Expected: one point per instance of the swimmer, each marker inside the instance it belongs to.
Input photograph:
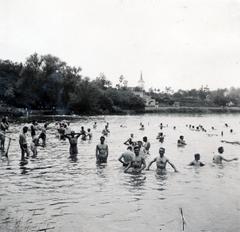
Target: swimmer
(126, 157)
(196, 162)
(83, 133)
(105, 131)
(33, 146)
(234, 142)
(161, 162)
(129, 142)
(43, 136)
(141, 126)
(3, 128)
(89, 133)
(137, 164)
(160, 137)
(95, 125)
(102, 151)
(73, 140)
(33, 128)
(217, 159)
(23, 143)
(181, 142)
(146, 145)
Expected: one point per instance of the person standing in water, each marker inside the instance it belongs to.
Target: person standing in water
(102, 151)
(196, 162)
(73, 140)
(126, 157)
(181, 142)
(3, 128)
(95, 125)
(23, 143)
(137, 164)
(217, 159)
(146, 145)
(161, 162)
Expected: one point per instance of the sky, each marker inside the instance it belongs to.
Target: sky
(179, 43)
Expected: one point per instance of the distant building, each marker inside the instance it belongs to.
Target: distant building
(139, 91)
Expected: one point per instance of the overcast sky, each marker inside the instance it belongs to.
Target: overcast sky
(178, 43)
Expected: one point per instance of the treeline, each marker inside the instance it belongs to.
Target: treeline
(46, 82)
(197, 97)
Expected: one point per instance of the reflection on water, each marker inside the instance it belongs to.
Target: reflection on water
(55, 192)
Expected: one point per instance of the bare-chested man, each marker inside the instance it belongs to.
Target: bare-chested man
(102, 151)
(161, 162)
(137, 164)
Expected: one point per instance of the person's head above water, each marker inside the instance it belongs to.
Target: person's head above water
(181, 137)
(197, 157)
(72, 133)
(220, 150)
(102, 139)
(161, 151)
(145, 139)
(25, 129)
(140, 143)
(136, 150)
(129, 148)
(131, 135)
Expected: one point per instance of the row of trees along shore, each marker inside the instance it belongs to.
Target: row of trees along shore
(46, 82)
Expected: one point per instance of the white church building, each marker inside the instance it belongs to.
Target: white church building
(139, 91)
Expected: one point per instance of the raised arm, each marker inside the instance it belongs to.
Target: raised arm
(149, 165)
(120, 160)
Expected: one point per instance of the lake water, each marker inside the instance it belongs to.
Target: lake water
(54, 193)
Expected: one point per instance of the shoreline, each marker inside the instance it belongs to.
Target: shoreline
(19, 112)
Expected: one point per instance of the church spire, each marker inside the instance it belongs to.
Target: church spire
(141, 82)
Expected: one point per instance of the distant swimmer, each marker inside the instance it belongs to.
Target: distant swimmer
(83, 133)
(43, 136)
(231, 130)
(161, 162)
(23, 143)
(127, 156)
(3, 128)
(137, 164)
(73, 140)
(141, 126)
(226, 125)
(102, 151)
(160, 137)
(196, 162)
(89, 133)
(105, 131)
(129, 142)
(221, 133)
(33, 128)
(181, 142)
(95, 125)
(33, 146)
(217, 159)
(146, 145)
(174, 128)
(233, 142)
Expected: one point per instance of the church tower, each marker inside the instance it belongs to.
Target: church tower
(141, 82)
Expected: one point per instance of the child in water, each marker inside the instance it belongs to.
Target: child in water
(196, 162)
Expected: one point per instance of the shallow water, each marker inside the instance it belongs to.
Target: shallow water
(59, 194)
